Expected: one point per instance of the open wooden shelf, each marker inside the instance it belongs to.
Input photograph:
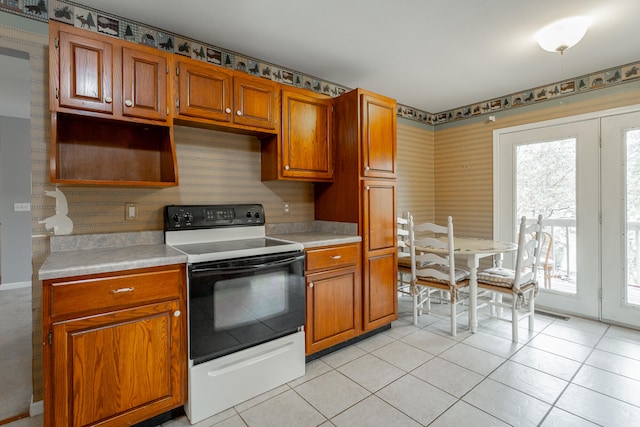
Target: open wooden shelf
(86, 150)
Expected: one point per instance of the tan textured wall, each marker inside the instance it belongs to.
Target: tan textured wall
(415, 191)
(464, 156)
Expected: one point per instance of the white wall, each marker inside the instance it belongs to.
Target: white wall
(15, 168)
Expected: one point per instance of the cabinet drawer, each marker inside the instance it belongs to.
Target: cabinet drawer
(330, 257)
(96, 294)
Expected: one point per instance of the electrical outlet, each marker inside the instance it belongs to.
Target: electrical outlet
(285, 208)
(130, 211)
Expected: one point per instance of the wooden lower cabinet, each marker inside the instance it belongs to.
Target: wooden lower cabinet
(380, 302)
(333, 296)
(114, 346)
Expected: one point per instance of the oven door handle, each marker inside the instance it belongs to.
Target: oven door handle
(204, 271)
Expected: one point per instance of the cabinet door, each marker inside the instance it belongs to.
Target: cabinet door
(144, 84)
(306, 137)
(379, 219)
(204, 91)
(333, 307)
(118, 368)
(380, 302)
(378, 137)
(85, 73)
(254, 102)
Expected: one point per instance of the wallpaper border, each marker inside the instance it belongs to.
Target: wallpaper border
(94, 20)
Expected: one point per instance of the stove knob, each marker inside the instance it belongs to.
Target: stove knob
(257, 215)
(176, 218)
(248, 214)
(188, 217)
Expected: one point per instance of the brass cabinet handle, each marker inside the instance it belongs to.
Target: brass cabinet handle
(335, 256)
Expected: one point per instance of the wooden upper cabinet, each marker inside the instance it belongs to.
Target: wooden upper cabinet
(92, 74)
(204, 91)
(225, 99)
(109, 111)
(144, 84)
(378, 116)
(85, 78)
(303, 151)
(254, 102)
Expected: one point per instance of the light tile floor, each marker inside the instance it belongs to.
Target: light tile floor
(572, 372)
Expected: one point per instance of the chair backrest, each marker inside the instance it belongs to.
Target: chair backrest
(528, 255)
(546, 248)
(439, 238)
(403, 235)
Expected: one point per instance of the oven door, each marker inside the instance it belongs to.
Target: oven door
(239, 303)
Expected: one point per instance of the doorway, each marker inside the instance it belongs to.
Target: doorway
(15, 235)
(553, 171)
(583, 175)
(621, 218)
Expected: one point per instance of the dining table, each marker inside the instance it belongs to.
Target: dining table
(473, 249)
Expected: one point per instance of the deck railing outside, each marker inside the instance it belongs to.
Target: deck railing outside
(563, 257)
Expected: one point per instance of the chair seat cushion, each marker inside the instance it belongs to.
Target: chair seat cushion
(459, 276)
(502, 277)
(405, 261)
(497, 276)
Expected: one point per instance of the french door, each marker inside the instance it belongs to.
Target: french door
(583, 175)
(621, 218)
(554, 171)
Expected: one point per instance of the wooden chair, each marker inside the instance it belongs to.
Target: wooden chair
(432, 273)
(547, 262)
(404, 256)
(521, 282)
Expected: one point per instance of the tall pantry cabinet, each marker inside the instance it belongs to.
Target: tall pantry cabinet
(364, 192)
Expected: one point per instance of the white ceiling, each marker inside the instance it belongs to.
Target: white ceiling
(427, 54)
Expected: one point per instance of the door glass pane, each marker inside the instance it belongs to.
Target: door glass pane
(633, 216)
(546, 184)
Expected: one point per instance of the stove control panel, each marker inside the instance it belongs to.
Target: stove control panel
(188, 217)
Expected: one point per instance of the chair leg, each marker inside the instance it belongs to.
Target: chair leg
(514, 320)
(452, 302)
(532, 309)
(415, 307)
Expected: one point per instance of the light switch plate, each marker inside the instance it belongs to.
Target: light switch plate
(21, 207)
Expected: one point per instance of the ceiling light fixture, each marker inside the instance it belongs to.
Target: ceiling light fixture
(563, 34)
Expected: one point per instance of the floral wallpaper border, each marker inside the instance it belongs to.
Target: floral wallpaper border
(97, 21)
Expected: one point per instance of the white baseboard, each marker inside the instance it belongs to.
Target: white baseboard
(36, 408)
(14, 285)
